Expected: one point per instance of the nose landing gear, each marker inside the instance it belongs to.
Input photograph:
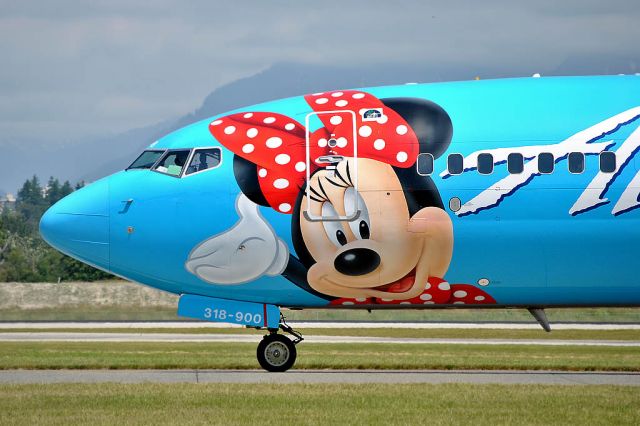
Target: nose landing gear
(276, 352)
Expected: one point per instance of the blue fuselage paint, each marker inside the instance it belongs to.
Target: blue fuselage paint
(525, 248)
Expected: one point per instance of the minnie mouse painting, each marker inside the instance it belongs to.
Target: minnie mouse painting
(367, 228)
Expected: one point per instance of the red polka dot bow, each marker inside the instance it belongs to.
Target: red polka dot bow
(277, 143)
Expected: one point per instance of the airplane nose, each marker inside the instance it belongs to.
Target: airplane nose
(78, 225)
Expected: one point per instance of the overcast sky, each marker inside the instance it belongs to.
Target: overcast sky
(71, 70)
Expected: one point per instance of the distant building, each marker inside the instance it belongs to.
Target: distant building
(7, 201)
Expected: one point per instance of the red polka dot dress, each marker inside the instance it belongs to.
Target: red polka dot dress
(437, 291)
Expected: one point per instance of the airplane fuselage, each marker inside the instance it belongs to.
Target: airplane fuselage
(357, 198)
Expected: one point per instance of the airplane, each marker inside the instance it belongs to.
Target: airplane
(507, 193)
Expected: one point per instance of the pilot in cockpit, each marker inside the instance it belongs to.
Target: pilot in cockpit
(202, 161)
(173, 163)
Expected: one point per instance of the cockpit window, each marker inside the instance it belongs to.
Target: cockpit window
(146, 160)
(204, 159)
(173, 162)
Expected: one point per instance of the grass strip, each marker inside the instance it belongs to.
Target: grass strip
(147, 355)
(389, 404)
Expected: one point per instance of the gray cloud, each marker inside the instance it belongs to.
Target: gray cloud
(72, 70)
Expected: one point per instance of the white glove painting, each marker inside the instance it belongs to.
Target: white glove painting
(248, 250)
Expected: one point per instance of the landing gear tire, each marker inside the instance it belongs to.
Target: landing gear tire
(276, 353)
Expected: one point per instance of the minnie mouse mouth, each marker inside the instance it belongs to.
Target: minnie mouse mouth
(402, 285)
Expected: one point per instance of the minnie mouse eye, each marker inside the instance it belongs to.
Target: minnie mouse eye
(363, 228)
(333, 229)
(353, 202)
(342, 239)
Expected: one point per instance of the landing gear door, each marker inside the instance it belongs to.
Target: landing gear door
(332, 147)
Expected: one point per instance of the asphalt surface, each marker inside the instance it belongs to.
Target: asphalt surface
(317, 376)
(254, 338)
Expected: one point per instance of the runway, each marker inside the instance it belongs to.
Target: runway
(318, 376)
(254, 338)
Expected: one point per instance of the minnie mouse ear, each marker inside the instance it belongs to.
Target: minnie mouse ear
(431, 124)
(246, 174)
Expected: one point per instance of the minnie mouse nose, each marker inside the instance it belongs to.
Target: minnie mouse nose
(357, 261)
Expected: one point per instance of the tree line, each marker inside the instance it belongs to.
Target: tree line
(24, 256)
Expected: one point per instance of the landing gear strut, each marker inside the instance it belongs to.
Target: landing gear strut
(276, 352)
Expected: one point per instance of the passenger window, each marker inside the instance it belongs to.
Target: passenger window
(425, 164)
(607, 162)
(485, 164)
(204, 159)
(515, 163)
(576, 162)
(455, 164)
(146, 160)
(173, 162)
(546, 162)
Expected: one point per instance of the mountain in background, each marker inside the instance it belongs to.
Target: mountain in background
(94, 159)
